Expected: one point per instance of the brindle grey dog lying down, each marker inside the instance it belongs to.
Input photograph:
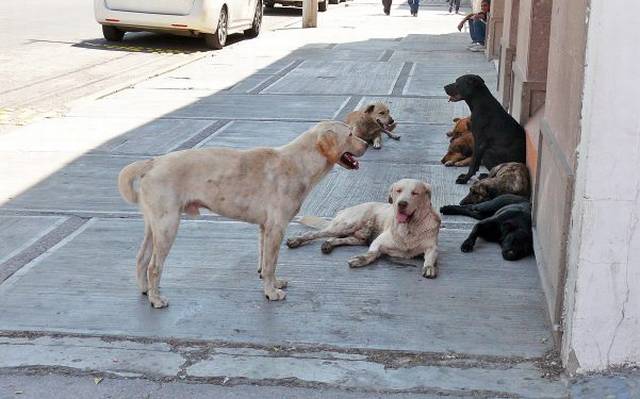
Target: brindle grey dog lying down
(405, 228)
(264, 186)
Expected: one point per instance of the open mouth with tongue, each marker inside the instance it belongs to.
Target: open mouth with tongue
(348, 161)
(386, 126)
(455, 98)
(403, 217)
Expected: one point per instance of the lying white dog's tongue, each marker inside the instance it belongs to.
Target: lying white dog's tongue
(402, 217)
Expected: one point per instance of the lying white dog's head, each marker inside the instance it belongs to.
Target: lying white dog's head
(411, 199)
(337, 143)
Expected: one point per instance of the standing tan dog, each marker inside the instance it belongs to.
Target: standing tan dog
(370, 122)
(406, 227)
(264, 186)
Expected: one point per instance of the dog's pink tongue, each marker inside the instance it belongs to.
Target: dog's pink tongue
(401, 217)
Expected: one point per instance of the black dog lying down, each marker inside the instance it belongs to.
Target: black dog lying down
(505, 219)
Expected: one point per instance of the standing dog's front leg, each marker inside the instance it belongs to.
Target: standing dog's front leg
(261, 234)
(272, 239)
(430, 266)
(478, 153)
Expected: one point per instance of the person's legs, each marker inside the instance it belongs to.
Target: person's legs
(387, 6)
(477, 30)
(457, 5)
(414, 7)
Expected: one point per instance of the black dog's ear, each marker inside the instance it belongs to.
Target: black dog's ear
(369, 109)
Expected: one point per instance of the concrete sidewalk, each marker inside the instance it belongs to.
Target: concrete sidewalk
(68, 241)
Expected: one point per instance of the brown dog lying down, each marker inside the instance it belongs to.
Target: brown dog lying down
(264, 186)
(370, 122)
(460, 152)
(506, 178)
(405, 228)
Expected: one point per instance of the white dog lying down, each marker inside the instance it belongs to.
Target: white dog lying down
(406, 227)
(264, 186)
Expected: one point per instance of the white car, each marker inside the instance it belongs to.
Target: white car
(213, 19)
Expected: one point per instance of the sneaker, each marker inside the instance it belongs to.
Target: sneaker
(474, 44)
(477, 49)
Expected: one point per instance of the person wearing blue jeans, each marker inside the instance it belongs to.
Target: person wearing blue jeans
(477, 26)
(413, 6)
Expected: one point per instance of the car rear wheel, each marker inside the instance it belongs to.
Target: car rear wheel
(257, 22)
(112, 34)
(334, 1)
(322, 6)
(218, 39)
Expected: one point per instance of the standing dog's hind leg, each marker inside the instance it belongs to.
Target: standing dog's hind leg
(164, 231)
(143, 258)
(272, 286)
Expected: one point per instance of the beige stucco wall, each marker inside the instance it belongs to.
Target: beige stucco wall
(559, 133)
(602, 295)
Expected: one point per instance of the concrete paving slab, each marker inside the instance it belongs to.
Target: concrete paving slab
(249, 134)
(466, 309)
(338, 54)
(428, 80)
(343, 188)
(421, 110)
(521, 380)
(38, 386)
(91, 354)
(339, 77)
(188, 104)
(120, 135)
(87, 183)
(20, 232)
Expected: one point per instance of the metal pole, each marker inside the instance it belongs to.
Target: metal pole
(310, 13)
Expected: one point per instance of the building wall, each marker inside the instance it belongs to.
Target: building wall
(555, 148)
(602, 296)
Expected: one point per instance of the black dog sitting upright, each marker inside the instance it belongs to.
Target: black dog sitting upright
(498, 137)
(505, 219)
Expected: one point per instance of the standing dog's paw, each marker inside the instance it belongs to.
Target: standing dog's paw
(467, 246)
(377, 146)
(275, 294)
(158, 302)
(462, 179)
(430, 271)
(326, 247)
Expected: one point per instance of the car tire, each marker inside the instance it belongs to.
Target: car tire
(269, 5)
(257, 21)
(112, 34)
(218, 39)
(322, 6)
(334, 1)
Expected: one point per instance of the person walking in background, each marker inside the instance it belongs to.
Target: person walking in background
(386, 5)
(452, 4)
(413, 6)
(477, 26)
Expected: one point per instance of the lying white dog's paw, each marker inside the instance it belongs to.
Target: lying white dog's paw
(158, 301)
(275, 294)
(430, 271)
(359, 261)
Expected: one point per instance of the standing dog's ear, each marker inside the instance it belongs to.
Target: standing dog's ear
(456, 119)
(369, 108)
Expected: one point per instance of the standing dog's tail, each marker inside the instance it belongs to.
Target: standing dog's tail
(128, 175)
(315, 222)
